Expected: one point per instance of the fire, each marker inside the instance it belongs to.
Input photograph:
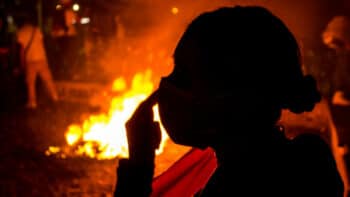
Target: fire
(103, 136)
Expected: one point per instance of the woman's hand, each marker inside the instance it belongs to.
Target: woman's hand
(136, 173)
(143, 133)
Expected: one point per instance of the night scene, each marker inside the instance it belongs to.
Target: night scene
(174, 98)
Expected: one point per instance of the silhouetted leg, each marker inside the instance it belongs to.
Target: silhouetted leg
(46, 77)
(31, 73)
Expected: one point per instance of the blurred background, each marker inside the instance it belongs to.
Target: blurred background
(106, 56)
(87, 40)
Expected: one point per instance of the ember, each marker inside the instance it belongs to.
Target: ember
(103, 136)
(174, 10)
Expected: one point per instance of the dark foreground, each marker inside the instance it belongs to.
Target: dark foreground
(26, 171)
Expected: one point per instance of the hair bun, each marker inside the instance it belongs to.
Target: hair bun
(304, 96)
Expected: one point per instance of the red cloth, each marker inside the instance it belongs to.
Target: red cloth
(187, 176)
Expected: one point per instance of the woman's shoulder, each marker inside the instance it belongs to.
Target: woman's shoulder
(308, 139)
(312, 146)
(311, 151)
(313, 165)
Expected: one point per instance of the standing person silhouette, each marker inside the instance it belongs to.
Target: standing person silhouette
(235, 70)
(34, 61)
(336, 37)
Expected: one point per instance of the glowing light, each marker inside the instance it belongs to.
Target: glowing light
(52, 150)
(76, 7)
(58, 7)
(119, 85)
(74, 134)
(10, 19)
(164, 133)
(174, 10)
(85, 20)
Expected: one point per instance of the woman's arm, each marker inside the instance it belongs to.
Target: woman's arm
(135, 174)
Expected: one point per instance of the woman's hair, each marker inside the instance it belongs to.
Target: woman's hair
(247, 52)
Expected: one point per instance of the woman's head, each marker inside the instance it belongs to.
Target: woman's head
(245, 54)
(337, 33)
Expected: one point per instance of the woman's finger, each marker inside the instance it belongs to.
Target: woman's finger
(144, 110)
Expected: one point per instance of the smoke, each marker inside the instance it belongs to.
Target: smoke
(148, 30)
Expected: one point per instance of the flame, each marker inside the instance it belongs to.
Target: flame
(103, 136)
(119, 85)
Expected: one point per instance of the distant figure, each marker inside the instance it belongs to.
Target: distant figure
(235, 70)
(34, 61)
(337, 37)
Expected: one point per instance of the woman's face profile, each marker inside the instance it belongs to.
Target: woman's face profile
(233, 65)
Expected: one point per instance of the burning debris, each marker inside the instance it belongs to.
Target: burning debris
(103, 136)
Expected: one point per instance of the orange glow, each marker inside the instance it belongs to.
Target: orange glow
(74, 135)
(76, 7)
(103, 136)
(164, 133)
(174, 10)
(119, 85)
(58, 7)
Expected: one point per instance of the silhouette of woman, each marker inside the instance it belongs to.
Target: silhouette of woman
(235, 70)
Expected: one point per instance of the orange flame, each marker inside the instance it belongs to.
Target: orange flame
(103, 136)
